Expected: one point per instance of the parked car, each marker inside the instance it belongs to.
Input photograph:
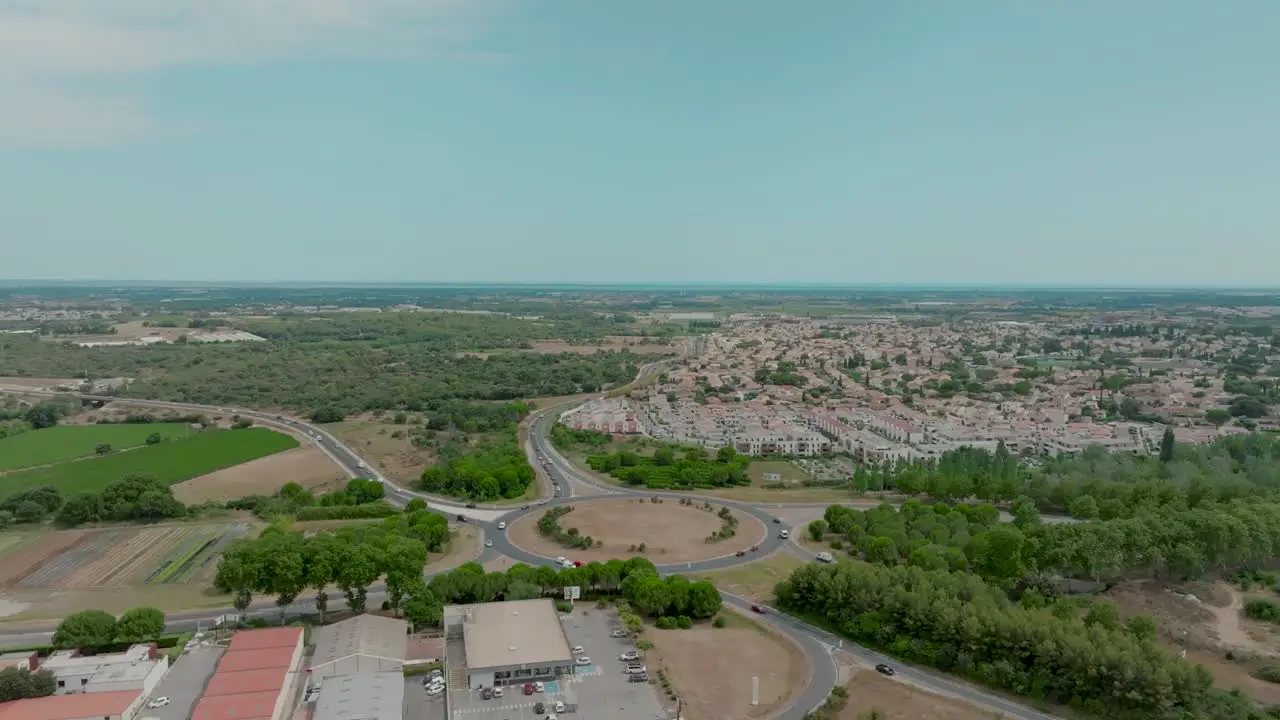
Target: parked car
(158, 702)
(539, 687)
(577, 563)
(559, 706)
(618, 634)
(825, 557)
(884, 669)
(497, 692)
(528, 688)
(638, 677)
(583, 660)
(777, 521)
(434, 690)
(629, 655)
(486, 694)
(757, 609)
(578, 650)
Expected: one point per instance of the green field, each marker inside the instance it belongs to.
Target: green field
(787, 472)
(69, 442)
(170, 462)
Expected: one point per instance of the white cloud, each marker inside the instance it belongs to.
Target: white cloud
(70, 69)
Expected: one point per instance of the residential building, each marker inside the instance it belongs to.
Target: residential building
(137, 669)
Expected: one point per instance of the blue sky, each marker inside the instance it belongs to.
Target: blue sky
(986, 141)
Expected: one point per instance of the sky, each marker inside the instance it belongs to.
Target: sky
(1080, 142)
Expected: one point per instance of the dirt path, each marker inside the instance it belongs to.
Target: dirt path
(1228, 629)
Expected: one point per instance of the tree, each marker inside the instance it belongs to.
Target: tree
(154, 439)
(284, 569)
(1217, 416)
(29, 512)
(320, 569)
(43, 415)
(89, 628)
(1025, 512)
(403, 561)
(817, 530)
(18, 684)
(140, 624)
(703, 599)
(1083, 507)
(103, 449)
(1166, 445)
(356, 572)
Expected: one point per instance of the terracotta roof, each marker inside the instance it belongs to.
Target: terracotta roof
(249, 706)
(265, 638)
(70, 707)
(281, 657)
(247, 681)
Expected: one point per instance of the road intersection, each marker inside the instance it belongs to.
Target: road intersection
(816, 643)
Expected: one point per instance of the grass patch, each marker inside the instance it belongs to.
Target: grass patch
(786, 471)
(171, 462)
(756, 580)
(71, 442)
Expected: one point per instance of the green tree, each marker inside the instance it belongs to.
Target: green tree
(321, 559)
(284, 569)
(18, 684)
(357, 570)
(817, 530)
(1084, 507)
(1025, 512)
(154, 439)
(85, 629)
(140, 624)
(103, 449)
(403, 561)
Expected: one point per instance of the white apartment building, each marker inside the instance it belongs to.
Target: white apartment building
(138, 668)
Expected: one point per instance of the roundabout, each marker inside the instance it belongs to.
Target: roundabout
(667, 531)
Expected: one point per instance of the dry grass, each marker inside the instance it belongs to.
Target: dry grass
(24, 383)
(755, 581)
(612, 344)
(307, 466)
(716, 684)
(671, 532)
(371, 439)
(463, 547)
(900, 701)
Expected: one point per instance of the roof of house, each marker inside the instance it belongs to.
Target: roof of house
(247, 706)
(518, 632)
(371, 635)
(70, 707)
(266, 638)
(362, 696)
(256, 659)
(247, 681)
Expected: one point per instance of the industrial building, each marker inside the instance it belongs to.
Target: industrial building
(505, 643)
(256, 678)
(362, 696)
(362, 644)
(122, 705)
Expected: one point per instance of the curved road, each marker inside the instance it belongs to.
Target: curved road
(817, 644)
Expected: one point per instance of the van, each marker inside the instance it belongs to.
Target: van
(784, 534)
(824, 557)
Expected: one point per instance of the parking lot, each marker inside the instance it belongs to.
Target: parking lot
(418, 705)
(599, 690)
(185, 683)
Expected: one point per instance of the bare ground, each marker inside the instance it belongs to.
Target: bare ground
(42, 603)
(756, 581)
(25, 383)
(308, 466)
(716, 684)
(671, 532)
(20, 560)
(900, 701)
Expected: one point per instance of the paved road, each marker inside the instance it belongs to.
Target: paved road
(815, 642)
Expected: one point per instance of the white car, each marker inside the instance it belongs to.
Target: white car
(497, 692)
(559, 706)
(158, 702)
(629, 655)
(784, 534)
(502, 526)
(635, 669)
(560, 561)
(825, 557)
(539, 687)
(488, 543)
(618, 634)
(578, 649)
(583, 660)
(434, 690)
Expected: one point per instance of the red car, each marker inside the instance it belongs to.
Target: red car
(528, 688)
(757, 609)
(577, 563)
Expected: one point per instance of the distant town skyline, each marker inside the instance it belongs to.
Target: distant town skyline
(729, 141)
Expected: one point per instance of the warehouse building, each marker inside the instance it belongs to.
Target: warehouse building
(362, 696)
(505, 643)
(362, 644)
(138, 668)
(256, 678)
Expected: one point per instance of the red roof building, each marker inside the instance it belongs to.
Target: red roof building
(122, 705)
(246, 681)
(256, 660)
(266, 638)
(255, 678)
(248, 706)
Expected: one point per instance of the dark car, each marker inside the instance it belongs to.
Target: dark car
(884, 669)
(776, 521)
(528, 688)
(462, 518)
(486, 694)
(757, 609)
(471, 505)
(740, 553)
(638, 677)
(755, 548)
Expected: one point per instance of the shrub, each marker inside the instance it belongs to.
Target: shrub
(666, 622)
(685, 622)
(564, 607)
(1260, 609)
(1270, 673)
(719, 621)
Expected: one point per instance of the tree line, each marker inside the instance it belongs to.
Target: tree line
(665, 470)
(284, 563)
(95, 629)
(132, 498)
(958, 623)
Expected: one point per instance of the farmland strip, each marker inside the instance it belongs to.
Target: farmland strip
(180, 557)
(50, 569)
(92, 574)
(36, 553)
(157, 546)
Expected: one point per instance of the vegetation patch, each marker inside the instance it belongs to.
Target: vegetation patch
(170, 462)
(549, 526)
(70, 442)
(672, 468)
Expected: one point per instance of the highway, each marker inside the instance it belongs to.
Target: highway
(816, 643)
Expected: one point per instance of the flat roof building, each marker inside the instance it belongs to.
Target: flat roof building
(505, 643)
(137, 668)
(362, 696)
(362, 644)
